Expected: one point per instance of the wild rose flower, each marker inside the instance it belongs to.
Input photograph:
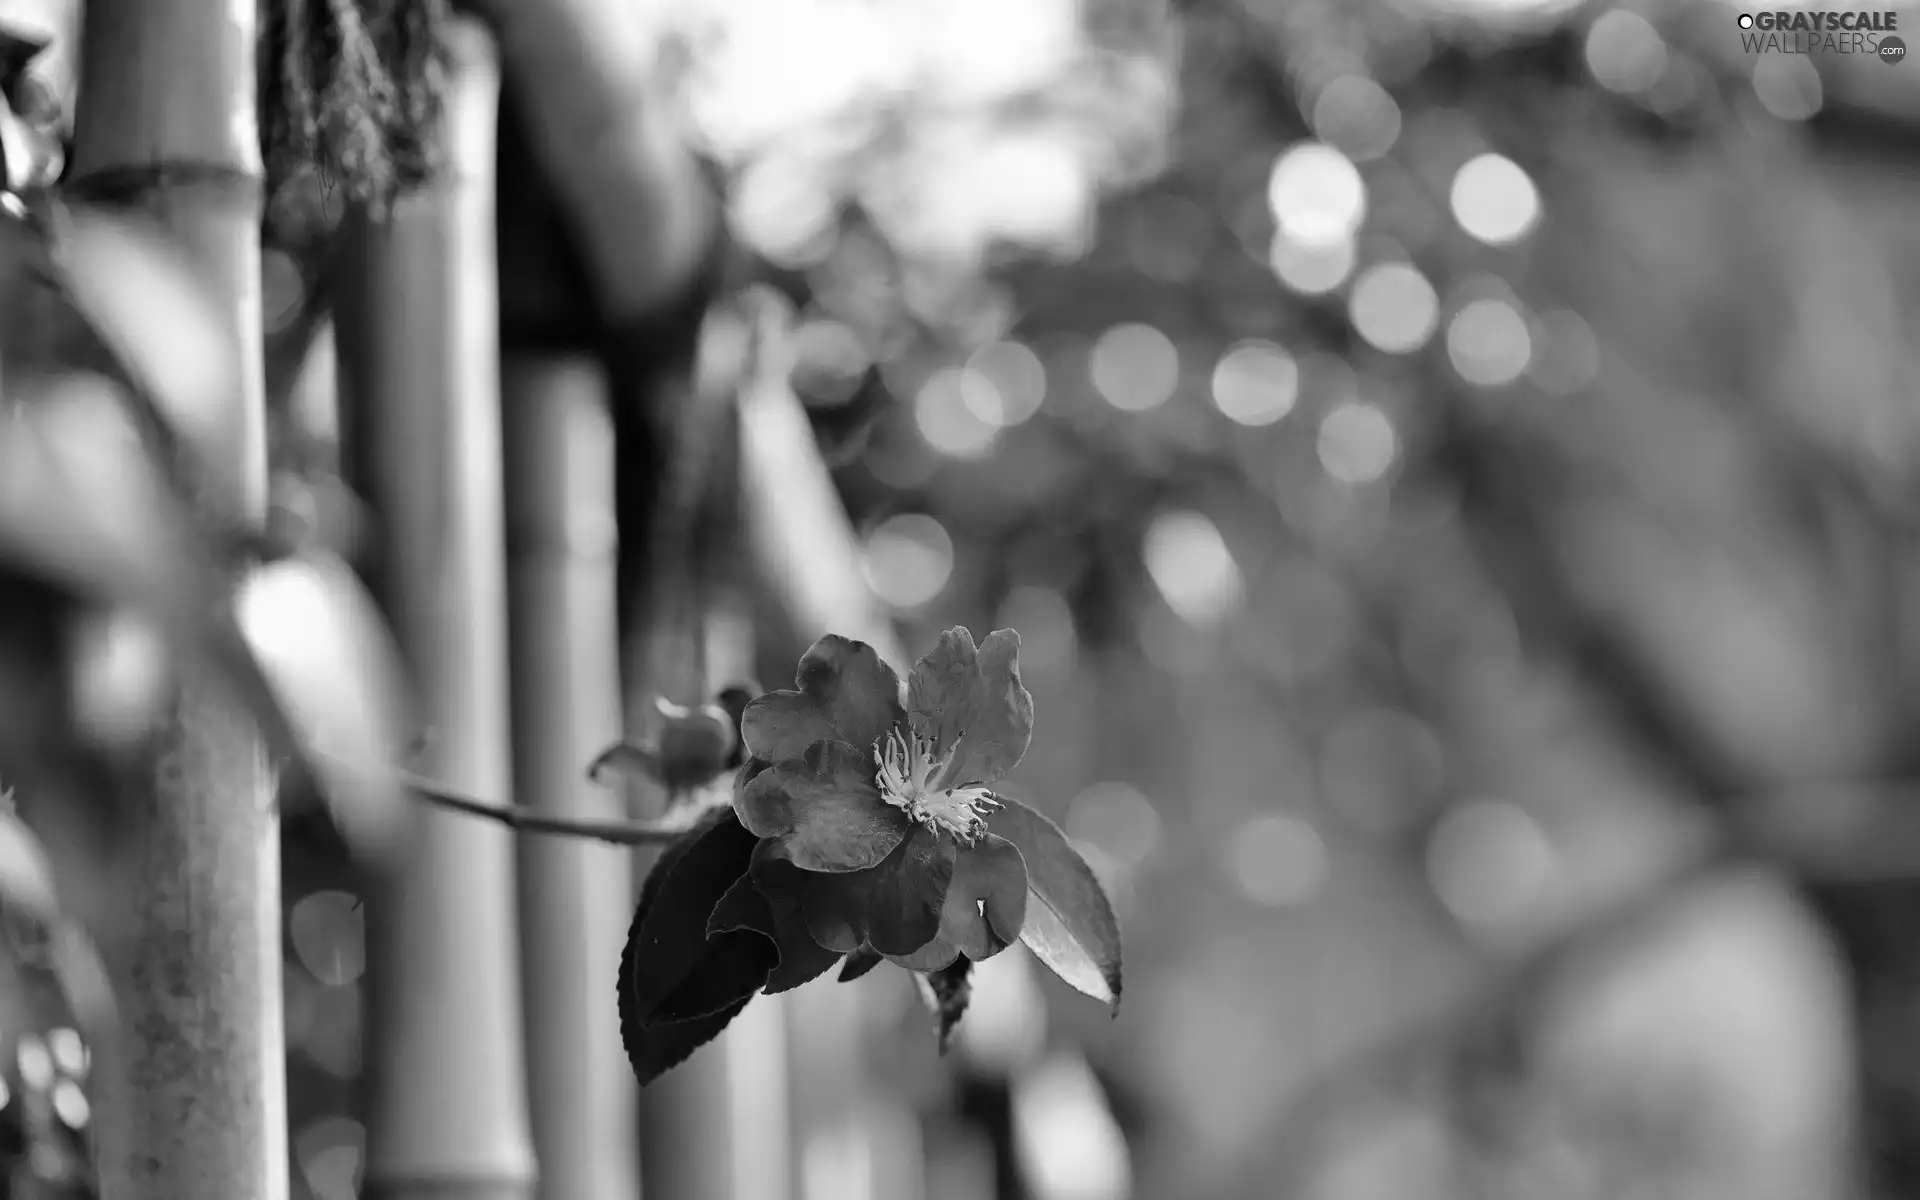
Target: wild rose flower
(874, 815)
(863, 826)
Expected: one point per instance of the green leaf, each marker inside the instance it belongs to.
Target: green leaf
(324, 648)
(1069, 924)
(858, 963)
(143, 297)
(675, 971)
(84, 506)
(624, 762)
(733, 965)
(655, 1048)
(26, 874)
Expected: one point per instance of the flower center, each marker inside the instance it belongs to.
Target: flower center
(907, 771)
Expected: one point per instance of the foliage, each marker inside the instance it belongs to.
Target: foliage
(864, 829)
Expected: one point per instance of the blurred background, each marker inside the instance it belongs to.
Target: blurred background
(1453, 467)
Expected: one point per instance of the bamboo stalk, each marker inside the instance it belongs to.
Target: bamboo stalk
(165, 123)
(575, 896)
(721, 1124)
(849, 1145)
(584, 70)
(417, 330)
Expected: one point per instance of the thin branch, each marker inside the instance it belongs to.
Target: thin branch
(528, 820)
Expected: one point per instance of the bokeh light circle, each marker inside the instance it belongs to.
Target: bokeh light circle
(1355, 114)
(1256, 383)
(908, 560)
(1004, 383)
(1625, 53)
(1357, 443)
(1393, 307)
(1788, 86)
(946, 419)
(1134, 367)
(1566, 355)
(1277, 859)
(1488, 861)
(1311, 270)
(1488, 343)
(1494, 199)
(1316, 194)
(1191, 564)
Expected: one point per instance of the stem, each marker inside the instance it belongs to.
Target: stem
(532, 820)
(195, 1104)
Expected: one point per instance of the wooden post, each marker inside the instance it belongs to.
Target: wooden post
(417, 328)
(165, 123)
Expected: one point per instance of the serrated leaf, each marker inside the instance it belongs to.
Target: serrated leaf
(733, 964)
(668, 945)
(858, 963)
(1069, 924)
(655, 1049)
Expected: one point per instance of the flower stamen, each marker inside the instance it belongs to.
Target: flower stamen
(908, 771)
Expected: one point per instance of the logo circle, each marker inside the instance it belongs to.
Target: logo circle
(1892, 49)
(1745, 21)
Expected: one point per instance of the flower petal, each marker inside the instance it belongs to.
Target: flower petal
(971, 702)
(940, 688)
(846, 694)
(934, 955)
(987, 902)
(833, 907)
(824, 811)
(777, 921)
(906, 893)
(894, 907)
